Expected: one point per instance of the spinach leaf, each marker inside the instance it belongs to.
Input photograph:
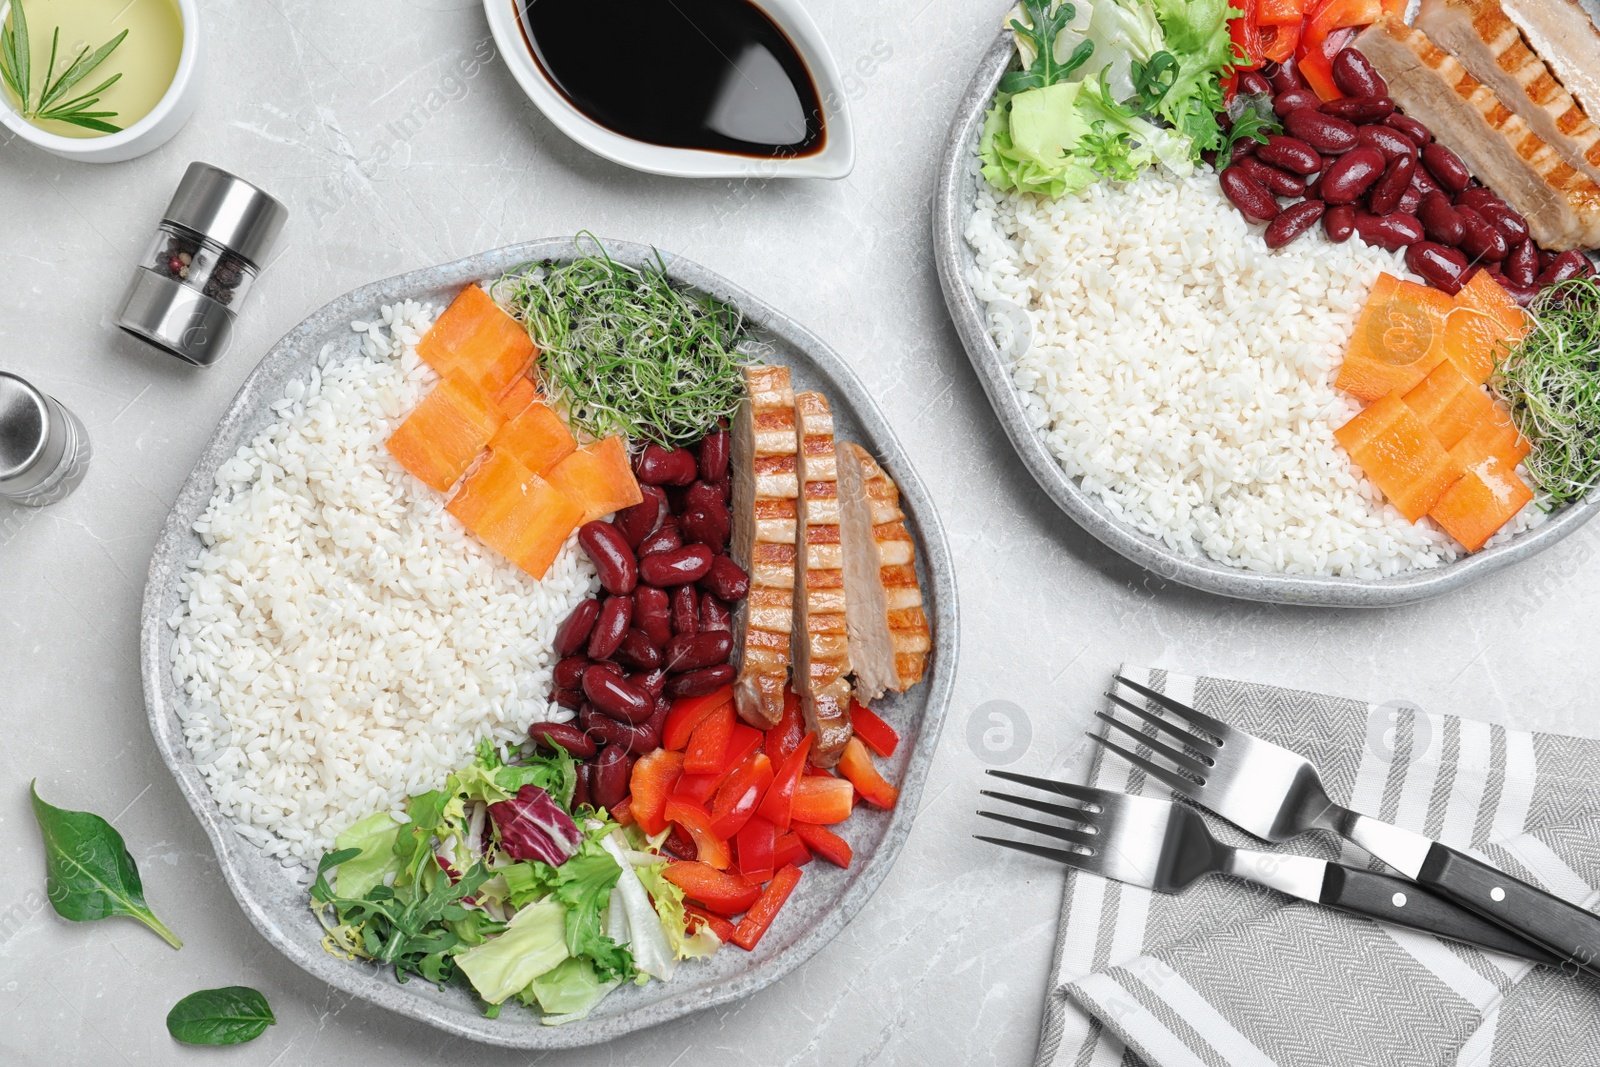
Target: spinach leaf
(89, 873)
(231, 1015)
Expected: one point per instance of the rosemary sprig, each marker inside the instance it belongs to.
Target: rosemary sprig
(16, 59)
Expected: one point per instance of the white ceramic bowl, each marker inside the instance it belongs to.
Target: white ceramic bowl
(150, 132)
(835, 159)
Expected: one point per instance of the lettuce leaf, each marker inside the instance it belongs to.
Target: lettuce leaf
(582, 885)
(533, 943)
(1197, 38)
(375, 837)
(647, 941)
(569, 992)
(674, 919)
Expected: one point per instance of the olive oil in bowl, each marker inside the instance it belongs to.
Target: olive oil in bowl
(147, 59)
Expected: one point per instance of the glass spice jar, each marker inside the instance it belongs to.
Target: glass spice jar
(200, 264)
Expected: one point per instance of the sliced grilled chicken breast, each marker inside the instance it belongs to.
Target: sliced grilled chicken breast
(1561, 204)
(1563, 33)
(1482, 39)
(889, 638)
(821, 640)
(765, 487)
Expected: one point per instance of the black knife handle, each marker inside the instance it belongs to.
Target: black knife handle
(1567, 930)
(1404, 903)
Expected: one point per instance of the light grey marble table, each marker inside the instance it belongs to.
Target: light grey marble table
(351, 114)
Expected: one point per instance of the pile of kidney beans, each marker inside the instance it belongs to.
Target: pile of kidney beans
(1360, 167)
(663, 627)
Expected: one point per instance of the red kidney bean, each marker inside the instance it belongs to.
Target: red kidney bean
(1545, 259)
(605, 666)
(1415, 131)
(642, 519)
(1325, 133)
(617, 697)
(1566, 265)
(1410, 200)
(1476, 197)
(550, 734)
(1445, 268)
(702, 495)
(568, 674)
(637, 651)
(1289, 153)
(653, 682)
(616, 615)
(567, 698)
(625, 737)
(1479, 239)
(1522, 264)
(693, 651)
(699, 683)
(1284, 77)
(1339, 223)
(666, 538)
(1241, 149)
(1440, 221)
(685, 610)
(1248, 195)
(1504, 219)
(726, 580)
(1251, 83)
(612, 556)
(1392, 143)
(1360, 110)
(1277, 182)
(1388, 231)
(1284, 103)
(1522, 294)
(1385, 195)
(1423, 183)
(714, 451)
(714, 614)
(657, 465)
(1351, 175)
(676, 567)
(708, 526)
(580, 790)
(1446, 167)
(573, 634)
(609, 783)
(726, 485)
(1295, 220)
(652, 613)
(1353, 74)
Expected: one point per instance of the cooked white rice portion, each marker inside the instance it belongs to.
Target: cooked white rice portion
(1183, 371)
(343, 642)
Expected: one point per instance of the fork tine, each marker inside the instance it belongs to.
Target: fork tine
(1188, 763)
(1058, 832)
(1071, 859)
(1194, 741)
(1219, 729)
(1066, 789)
(1172, 778)
(1060, 811)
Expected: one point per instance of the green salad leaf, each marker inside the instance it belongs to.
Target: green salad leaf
(1041, 31)
(89, 873)
(1197, 37)
(583, 886)
(668, 899)
(532, 944)
(568, 992)
(231, 1015)
(373, 840)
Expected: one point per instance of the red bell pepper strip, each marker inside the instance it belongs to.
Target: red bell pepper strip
(1280, 41)
(724, 892)
(709, 742)
(679, 843)
(740, 794)
(1246, 33)
(687, 713)
(856, 765)
(699, 788)
(652, 779)
(622, 812)
(776, 805)
(759, 918)
(708, 847)
(785, 737)
(719, 926)
(877, 734)
(822, 800)
(790, 851)
(829, 845)
(757, 843)
(1281, 12)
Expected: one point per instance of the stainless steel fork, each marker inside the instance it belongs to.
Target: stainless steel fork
(1277, 794)
(1166, 847)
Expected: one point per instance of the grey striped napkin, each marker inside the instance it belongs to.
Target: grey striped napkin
(1229, 975)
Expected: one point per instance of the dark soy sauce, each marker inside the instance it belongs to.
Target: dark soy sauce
(709, 74)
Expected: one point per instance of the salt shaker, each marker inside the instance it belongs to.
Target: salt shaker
(197, 268)
(44, 449)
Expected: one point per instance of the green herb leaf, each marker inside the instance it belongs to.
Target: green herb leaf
(1250, 125)
(231, 1015)
(90, 874)
(1046, 27)
(85, 62)
(21, 52)
(83, 100)
(1152, 80)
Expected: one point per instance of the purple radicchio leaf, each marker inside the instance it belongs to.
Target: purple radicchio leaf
(533, 827)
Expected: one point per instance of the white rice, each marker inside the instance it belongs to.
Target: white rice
(1183, 371)
(343, 641)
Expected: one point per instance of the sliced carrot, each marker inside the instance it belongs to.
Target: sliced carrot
(515, 512)
(1448, 402)
(518, 395)
(1495, 436)
(1484, 499)
(536, 437)
(1370, 423)
(856, 765)
(440, 438)
(1394, 342)
(600, 477)
(758, 920)
(475, 337)
(1404, 460)
(1484, 321)
(827, 844)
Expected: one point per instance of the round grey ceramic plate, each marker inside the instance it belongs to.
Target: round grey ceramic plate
(952, 206)
(827, 897)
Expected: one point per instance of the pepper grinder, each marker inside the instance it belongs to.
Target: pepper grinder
(44, 449)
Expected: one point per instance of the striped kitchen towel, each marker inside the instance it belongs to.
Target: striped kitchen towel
(1232, 975)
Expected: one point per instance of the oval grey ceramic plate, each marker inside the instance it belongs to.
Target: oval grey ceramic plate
(952, 206)
(827, 897)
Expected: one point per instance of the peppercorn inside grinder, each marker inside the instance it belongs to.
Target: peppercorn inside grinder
(195, 273)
